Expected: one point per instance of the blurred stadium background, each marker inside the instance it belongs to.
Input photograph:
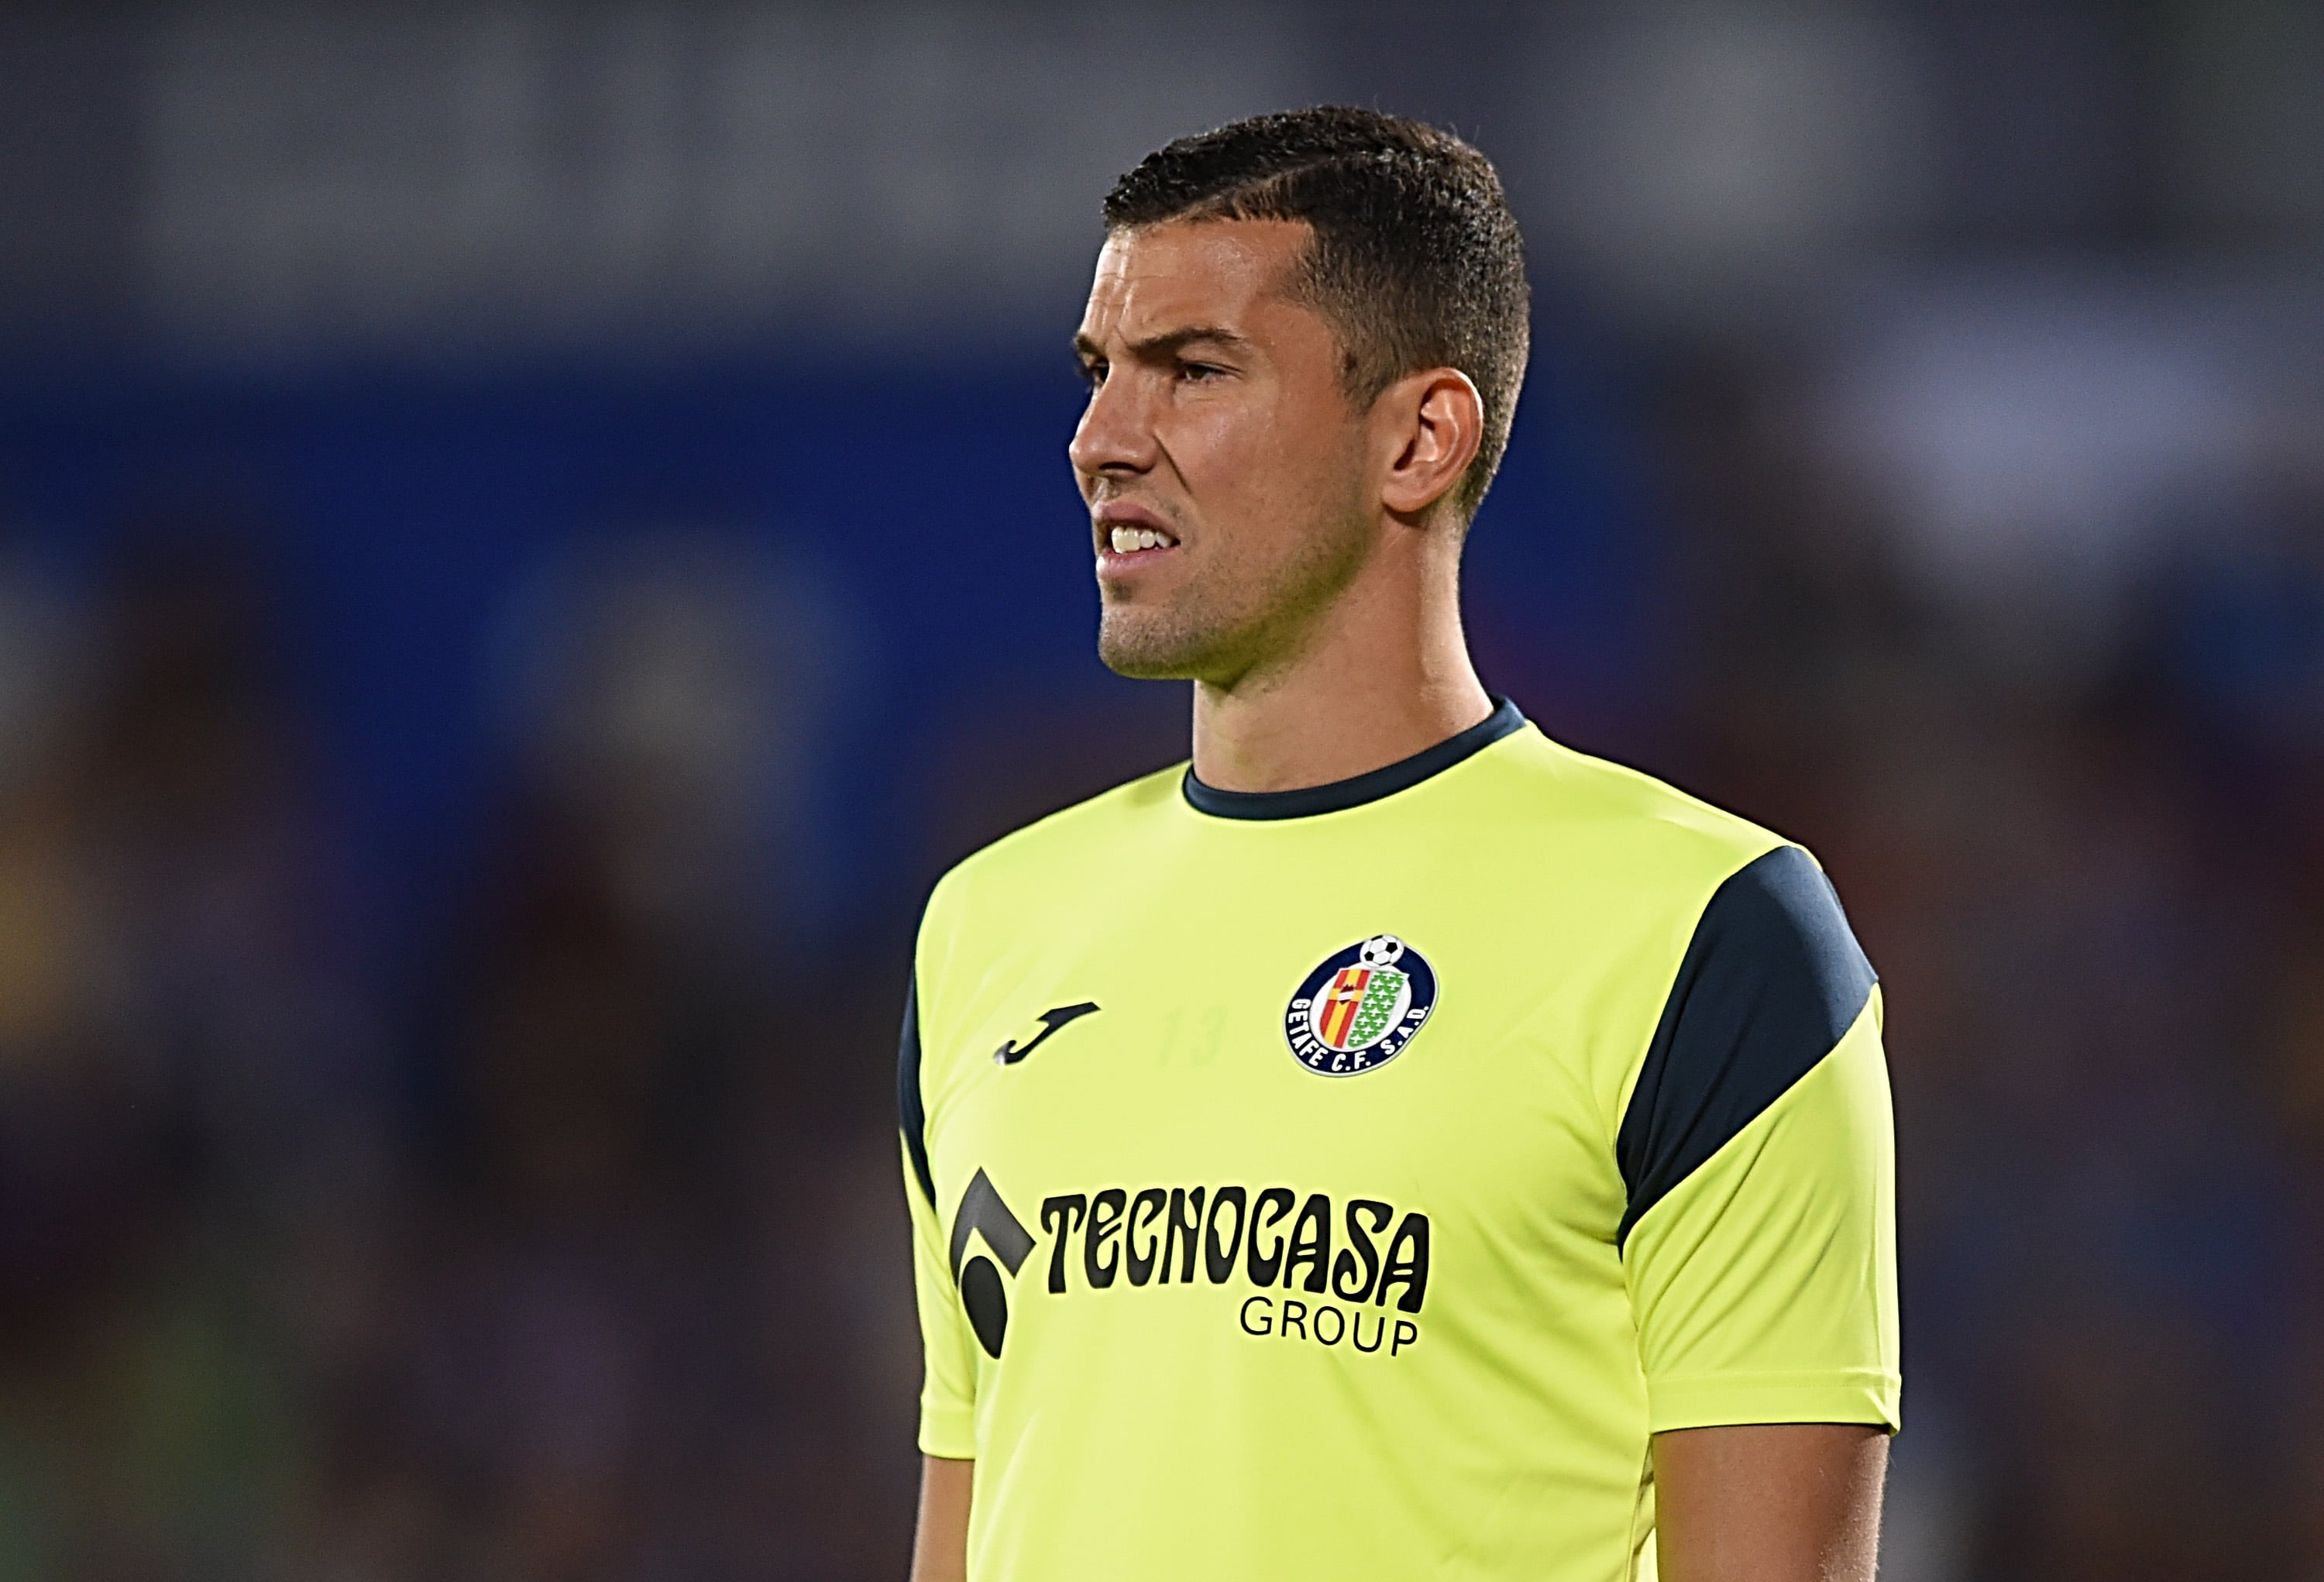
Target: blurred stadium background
(530, 534)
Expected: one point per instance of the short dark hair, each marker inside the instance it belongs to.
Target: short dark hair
(1416, 259)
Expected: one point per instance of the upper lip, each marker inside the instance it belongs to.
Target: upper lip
(1116, 513)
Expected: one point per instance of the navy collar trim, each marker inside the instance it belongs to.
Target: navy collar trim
(1340, 795)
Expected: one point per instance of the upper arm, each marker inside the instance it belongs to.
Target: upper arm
(1772, 1502)
(1756, 1150)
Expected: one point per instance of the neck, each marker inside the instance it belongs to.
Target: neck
(1384, 673)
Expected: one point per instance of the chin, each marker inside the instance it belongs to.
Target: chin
(1140, 664)
(1147, 650)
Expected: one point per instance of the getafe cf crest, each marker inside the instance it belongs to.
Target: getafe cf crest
(1359, 1009)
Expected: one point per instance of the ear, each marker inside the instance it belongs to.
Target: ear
(1431, 424)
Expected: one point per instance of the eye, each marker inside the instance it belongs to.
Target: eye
(1200, 373)
(1093, 373)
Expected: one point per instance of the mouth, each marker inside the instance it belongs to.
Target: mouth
(1129, 536)
(1122, 539)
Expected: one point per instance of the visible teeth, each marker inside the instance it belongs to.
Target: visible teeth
(1129, 540)
(1125, 538)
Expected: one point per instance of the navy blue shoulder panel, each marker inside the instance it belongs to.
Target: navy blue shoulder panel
(912, 1112)
(1771, 981)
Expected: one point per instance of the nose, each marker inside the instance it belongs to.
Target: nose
(1115, 438)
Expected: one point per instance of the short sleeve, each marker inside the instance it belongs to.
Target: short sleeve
(1758, 1149)
(949, 1383)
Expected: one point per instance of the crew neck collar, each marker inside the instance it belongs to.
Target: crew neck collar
(1307, 800)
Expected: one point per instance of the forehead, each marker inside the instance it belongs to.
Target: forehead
(1153, 279)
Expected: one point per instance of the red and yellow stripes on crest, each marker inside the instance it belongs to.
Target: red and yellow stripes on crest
(1340, 1001)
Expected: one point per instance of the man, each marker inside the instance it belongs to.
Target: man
(1395, 1145)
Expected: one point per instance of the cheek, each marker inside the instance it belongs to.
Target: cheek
(1217, 447)
(1246, 461)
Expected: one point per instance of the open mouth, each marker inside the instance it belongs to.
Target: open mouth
(1124, 539)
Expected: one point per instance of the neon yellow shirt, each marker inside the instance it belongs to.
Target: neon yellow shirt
(1346, 1182)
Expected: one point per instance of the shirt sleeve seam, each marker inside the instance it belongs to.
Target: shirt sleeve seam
(949, 1431)
(1778, 1376)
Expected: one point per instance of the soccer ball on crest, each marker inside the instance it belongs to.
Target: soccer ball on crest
(1381, 952)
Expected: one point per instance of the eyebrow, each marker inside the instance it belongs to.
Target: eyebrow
(1166, 344)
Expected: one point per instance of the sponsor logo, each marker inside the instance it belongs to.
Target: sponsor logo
(1359, 1009)
(1057, 1016)
(983, 1211)
(1312, 1270)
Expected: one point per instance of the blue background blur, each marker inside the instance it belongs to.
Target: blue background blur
(530, 536)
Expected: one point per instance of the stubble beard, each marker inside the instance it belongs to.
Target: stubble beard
(1233, 618)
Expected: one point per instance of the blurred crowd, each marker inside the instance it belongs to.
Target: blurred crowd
(577, 1257)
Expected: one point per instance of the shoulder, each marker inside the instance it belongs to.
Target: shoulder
(1054, 854)
(1747, 953)
(1743, 897)
(1745, 970)
(1747, 911)
(1608, 827)
(1737, 888)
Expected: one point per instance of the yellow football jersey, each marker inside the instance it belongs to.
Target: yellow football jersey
(1346, 1182)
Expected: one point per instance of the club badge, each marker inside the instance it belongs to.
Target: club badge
(1359, 1009)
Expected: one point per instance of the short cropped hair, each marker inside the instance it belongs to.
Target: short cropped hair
(1415, 259)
